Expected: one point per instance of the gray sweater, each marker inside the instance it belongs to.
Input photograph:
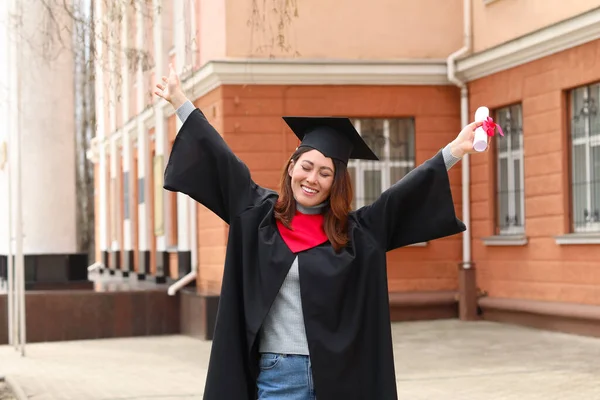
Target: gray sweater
(283, 329)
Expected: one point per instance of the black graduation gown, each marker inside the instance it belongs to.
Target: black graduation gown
(344, 295)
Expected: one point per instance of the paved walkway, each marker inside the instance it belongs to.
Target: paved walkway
(5, 392)
(434, 360)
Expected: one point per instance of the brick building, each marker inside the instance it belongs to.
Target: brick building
(410, 74)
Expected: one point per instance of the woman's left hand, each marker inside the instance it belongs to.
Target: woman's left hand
(463, 144)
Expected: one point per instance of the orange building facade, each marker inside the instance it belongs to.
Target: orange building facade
(410, 79)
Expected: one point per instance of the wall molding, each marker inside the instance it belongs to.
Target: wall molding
(422, 306)
(573, 318)
(320, 72)
(552, 39)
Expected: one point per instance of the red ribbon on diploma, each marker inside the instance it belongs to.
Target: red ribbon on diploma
(489, 126)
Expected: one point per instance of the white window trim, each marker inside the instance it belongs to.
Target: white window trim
(505, 240)
(384, 165)
(578, 239)
(511, 156)
(589, 142)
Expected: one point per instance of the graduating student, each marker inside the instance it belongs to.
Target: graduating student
(303, 310)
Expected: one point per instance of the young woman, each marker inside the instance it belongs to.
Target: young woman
(303, 310)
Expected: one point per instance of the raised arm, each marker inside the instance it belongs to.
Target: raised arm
(419, 207)
(202, 165)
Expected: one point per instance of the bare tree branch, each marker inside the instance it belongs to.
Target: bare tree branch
(271, 21)
(71, 25)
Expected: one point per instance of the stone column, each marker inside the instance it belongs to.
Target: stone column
(128, 219)
(115, 156)
(44, 93)
(143, 153)
(184, 255)
(162, 201)
(100, 136)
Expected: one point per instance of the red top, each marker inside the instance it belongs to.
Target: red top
(307, 232)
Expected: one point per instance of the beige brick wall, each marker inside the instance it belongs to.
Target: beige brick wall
(541, 270)
(244, 114)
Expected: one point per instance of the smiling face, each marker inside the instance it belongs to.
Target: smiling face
(311, 178)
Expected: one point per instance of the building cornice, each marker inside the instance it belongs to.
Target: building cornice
(320, 72)
(541, 43)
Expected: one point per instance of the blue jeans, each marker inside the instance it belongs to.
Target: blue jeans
(283, 376)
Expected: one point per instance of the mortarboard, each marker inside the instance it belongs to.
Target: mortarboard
(335, 137)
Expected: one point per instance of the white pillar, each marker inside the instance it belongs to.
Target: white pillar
(115, 159)
(127, 191)
(124, 64)
(19, 74)
(179, 31)
(194, 232)
(143, 211)
(9, 113)
(143, 154)
(5, 71)
(159, 123)
(46, 105)
(183, 221)
(100, 131)
(127, 153)
(183, 204)
(114, 197)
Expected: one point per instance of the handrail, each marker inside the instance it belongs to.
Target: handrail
(96, 265)
(181, 283)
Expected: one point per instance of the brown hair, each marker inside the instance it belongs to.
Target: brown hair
(335, 222)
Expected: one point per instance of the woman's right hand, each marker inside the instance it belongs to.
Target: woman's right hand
(170, 89)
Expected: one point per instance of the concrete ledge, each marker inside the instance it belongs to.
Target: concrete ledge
(78, 315)
(580, 319)
(198, 313)
(414, 306)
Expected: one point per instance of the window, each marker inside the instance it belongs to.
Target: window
(393, 141)
(585, 158)
(510, 193)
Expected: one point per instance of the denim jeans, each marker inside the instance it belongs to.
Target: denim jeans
(287, 377)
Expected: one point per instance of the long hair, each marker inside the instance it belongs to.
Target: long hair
(335, 222)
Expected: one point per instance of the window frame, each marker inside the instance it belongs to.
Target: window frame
(384, 165)
(511, 156)
(589, 141)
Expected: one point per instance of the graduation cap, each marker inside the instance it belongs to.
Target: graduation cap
(335, 137)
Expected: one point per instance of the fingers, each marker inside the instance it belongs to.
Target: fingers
(165, 81)
(475, 124)
(489, 142)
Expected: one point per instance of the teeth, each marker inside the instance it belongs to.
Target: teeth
(309, 190)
